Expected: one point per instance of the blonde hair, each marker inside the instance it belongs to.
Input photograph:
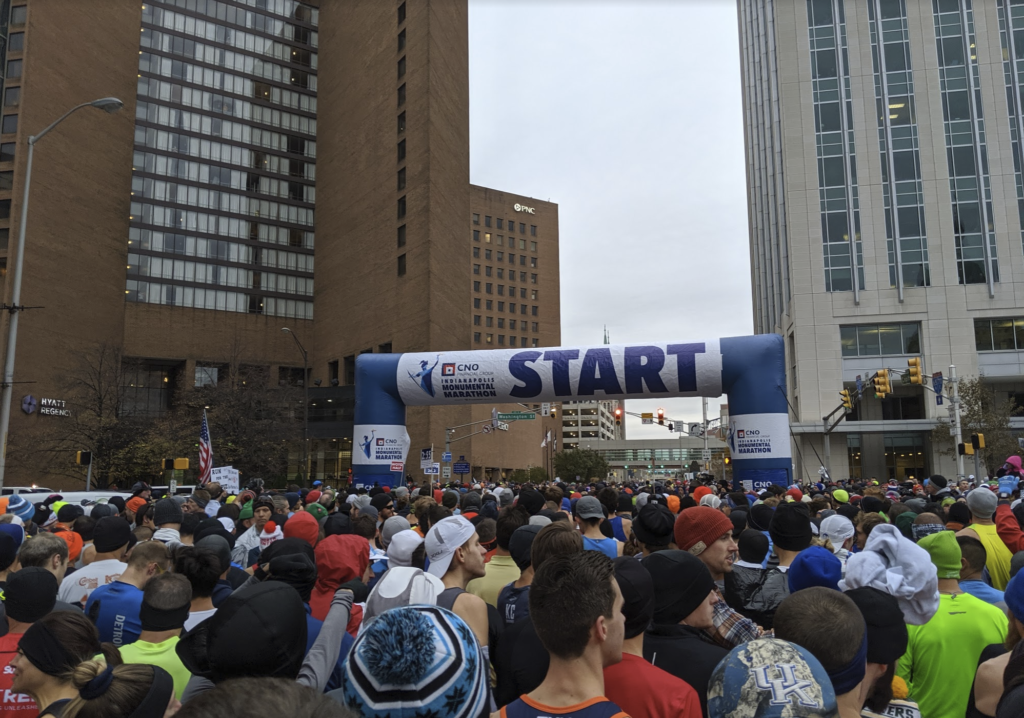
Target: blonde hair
(130, 685)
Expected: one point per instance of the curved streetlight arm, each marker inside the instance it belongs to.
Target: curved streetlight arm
(35, 138)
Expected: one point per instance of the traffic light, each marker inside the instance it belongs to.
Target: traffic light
(83, 458)
(618, 416)
(881, 382)
(915, 370)
(965, 449)
(554, 412)
(728, 460)
(661, 417)
(847, 399)
(171, 464)
(977, 441)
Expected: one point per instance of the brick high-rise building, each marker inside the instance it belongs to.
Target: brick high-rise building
(185, 231)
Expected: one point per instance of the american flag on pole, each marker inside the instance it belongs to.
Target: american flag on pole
(205, 453)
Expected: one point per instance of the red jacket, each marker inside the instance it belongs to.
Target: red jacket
(339, 559)
(1008, 529)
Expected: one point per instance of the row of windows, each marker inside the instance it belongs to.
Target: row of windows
(1011, 36)
(500, 241)
(872, 340)
(895, 98)
(489, 322)
(489, 339)
(219, 152)
(222, 176)
(511, 257)
(200, 273)
(231, 15)
(230, 179)
(500, 224)
(836, 154)
(999, 334)
(213, 32)
(169, 243)
(184, 144)
(215, 104)
(501, 273)
(162, 42)
(218, 225)
(964, 126)
(489, 304)
(235, 84)
(489, 289)
(162, 191)
(174, 295)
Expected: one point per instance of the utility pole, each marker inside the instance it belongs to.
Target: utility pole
(704, 407)
(957, 436)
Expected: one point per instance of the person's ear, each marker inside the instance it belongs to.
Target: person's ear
(601, 629)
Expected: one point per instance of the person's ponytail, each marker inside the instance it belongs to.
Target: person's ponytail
(106, 690)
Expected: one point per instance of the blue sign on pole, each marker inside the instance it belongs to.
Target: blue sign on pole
(860, 384)
(937, 386)
(460, 467)
(446, 456)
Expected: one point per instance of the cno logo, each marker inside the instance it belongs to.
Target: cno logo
(524, 208)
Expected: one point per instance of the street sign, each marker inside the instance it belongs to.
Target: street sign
(545, 408)
(517, 416)
(426, 457)
(646, 418)
(446, 472)
(494, 418)
(502, 426)
(937, 386)
(486, 428)
(434, 469)
(461, 467)
(446, 456)
(860, 384)
(397, 466)
(705, 454)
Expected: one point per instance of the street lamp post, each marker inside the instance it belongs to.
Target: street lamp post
(109, 105)
(305, 387)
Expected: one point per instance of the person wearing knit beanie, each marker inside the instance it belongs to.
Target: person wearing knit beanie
(302, 525)
(21, 507)
(940, 678)
(271, 533)
(317, 511)
(707, 534)
(684, 600)
(700, 492)
(815, 566)
(887, 642)
(790, 531)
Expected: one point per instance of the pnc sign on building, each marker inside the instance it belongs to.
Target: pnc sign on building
(523, 208)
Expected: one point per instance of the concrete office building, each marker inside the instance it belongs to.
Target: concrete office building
(591, 421)
(184, 231)
(885, 211)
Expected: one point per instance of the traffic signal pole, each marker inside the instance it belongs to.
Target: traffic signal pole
(957, 429)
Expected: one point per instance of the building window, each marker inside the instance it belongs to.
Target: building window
(401, 236)
(401, 207)
(476, 267)
(535, 343)
(6, 180)
(16, 42)
(490, 321)
(533, 262)
(904, 456)
(401, 265)
(522, 260)
(533, 230)
(476, 286)
(332, 372)
(533, 310)
(511, 341)
(501, 290)
(401, 150)
(487, 271)
(401, 123)
(476, 320)
(401, 40)
(5, 209)
(401, 68)
(476, 337)
(14, 69)
(522, 276)
(476, 235)
(489, 288)
(490, 305)
(487, 254)
(872, 340)
(533, 294)
(997, 335)
(522, 292)
(401, 95)
(19, 14)
(476, 218)
(501, 273)
(476, 252)
(7, 152)
(487, 221)
(533, 327)
(206, 376)
(11, 96)
(501, 223)
(522, 244)
(501, 322)
(501, 306)
(350, 370)
(487, 236)
(501, 240)
(522, 228)
(522, 309)
(401, 13)
(511, 308)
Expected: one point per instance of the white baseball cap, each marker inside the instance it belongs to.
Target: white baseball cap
(443, 538)
(402, 546)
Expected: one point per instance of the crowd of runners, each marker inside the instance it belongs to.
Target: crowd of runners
(581, 599)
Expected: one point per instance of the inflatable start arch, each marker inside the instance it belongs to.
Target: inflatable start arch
(750, 371)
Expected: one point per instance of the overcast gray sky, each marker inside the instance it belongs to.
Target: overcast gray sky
(628, 115)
